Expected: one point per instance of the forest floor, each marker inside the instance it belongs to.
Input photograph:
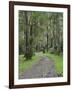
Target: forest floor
(41, 69)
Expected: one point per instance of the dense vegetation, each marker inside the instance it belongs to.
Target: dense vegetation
(40, 32)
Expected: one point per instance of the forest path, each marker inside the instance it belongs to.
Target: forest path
(42, 69)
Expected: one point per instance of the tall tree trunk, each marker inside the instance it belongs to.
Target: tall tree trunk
(47, 42)
(28, 34)
(47, 39)
(27, 37)
(31, 41)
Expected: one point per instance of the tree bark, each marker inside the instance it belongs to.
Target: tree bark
(26, 36)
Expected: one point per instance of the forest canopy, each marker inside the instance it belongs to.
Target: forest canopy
(40, 32)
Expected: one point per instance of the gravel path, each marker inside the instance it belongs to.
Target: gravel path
(43, 68)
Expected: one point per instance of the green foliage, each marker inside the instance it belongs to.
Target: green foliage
(40, 31)
(40, 34)
(26, 64)
(58, 60)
